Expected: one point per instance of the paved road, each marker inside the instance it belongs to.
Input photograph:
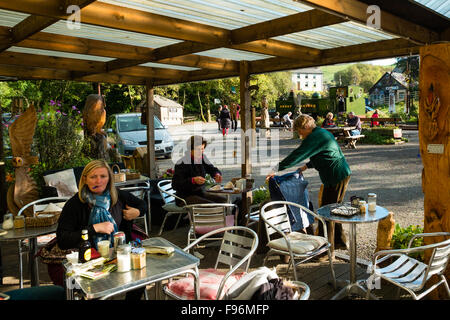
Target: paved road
(393, 172)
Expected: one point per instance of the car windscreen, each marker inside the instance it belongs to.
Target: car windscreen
(133, 123)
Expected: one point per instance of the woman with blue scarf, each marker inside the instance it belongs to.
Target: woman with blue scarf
(99, 207)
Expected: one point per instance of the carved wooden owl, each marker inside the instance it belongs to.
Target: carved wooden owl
(94, 115)
(21, 134)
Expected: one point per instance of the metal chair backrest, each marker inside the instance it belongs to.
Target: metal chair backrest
(166, 191)
(439, 259)
(275, 216)
(236, 250)
(39, 201)
(209, 215)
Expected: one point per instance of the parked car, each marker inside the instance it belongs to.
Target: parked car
(126, 133)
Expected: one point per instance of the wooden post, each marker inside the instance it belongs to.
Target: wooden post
(151, 159)
(3, 206)
(434, 130)
(247, 132)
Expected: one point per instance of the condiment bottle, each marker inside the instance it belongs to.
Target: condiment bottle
(372, 201)
(8, 222)
(138, 258)
(123, 258)
(19, 222)
(84, 251)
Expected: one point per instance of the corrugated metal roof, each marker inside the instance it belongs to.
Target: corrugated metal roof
(440, 6)
(222, 15)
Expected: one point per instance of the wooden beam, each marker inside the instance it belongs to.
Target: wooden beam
(55, 42)
(356, 11)
(361, 52)
(127, 19)
(81, 67)
(34, 24)
(285, 25)
(33, 73)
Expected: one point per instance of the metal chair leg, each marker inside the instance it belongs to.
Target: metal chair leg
(178, 220)
(20, 265)
(333, 275)
(163, 223)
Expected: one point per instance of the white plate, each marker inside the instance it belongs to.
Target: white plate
(45, 215)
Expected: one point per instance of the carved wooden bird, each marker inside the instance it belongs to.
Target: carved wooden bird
(24, 189)
(94, 115)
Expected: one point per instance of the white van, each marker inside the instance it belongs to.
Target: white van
(126, 131)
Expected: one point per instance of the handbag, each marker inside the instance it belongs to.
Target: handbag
(52, 253)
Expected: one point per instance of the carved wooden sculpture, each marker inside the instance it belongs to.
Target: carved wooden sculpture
(434, 133)
(24, 189)
(94, 118)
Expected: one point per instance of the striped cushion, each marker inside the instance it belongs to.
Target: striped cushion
(209, 284)
(300, 243)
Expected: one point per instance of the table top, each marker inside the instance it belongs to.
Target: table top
(158, 267)
(28, 232)
(368, 216)
(229, 191)
(346, 128)
(142, 179)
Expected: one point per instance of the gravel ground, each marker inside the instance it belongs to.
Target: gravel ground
(393, 172)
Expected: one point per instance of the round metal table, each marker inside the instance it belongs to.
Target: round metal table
(352, 286)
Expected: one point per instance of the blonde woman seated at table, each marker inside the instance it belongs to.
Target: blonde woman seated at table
(328, 122)
(100, 208)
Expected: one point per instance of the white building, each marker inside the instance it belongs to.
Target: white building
(168, 111)
(308, 79)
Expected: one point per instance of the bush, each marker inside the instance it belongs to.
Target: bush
(260, 195)
(374, 137)
(402, 236)
(59, 143)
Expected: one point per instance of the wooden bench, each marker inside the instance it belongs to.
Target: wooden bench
(372, 120)
(352, 140)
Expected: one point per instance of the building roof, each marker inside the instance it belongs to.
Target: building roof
(308, 71)
(167, 42)
(399, 78)
(166, 102)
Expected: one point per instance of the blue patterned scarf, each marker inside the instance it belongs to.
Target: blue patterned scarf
(99, 213)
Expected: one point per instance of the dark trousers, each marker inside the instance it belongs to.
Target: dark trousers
(328, 195)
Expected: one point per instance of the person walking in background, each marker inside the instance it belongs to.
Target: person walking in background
(375, 115)
(233, 114)
(218, 116)
(225, 120)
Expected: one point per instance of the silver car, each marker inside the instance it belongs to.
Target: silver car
(128, 133)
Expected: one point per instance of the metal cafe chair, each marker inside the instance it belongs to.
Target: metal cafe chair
(38, 205)
(410, 274)
(168, 195)
(207, 217)
(296, 245)
(236, 250)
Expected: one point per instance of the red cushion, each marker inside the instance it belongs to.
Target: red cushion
(229, 220)
(209, 284)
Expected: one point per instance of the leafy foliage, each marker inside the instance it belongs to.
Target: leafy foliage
(260, 195)
(362, 74)
(59, 142)
(402, 236)
(374, 137)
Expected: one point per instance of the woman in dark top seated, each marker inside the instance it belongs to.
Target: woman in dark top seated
(100, 208)
(190, 171)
